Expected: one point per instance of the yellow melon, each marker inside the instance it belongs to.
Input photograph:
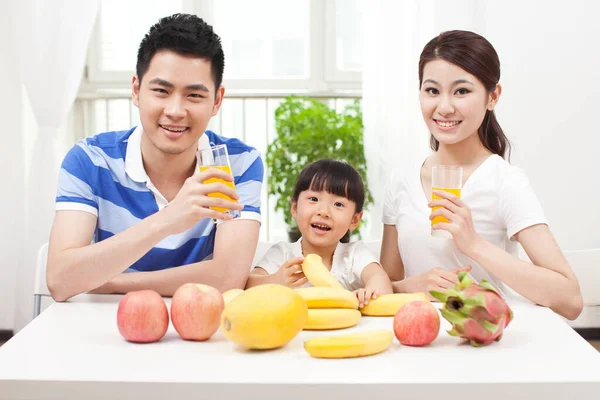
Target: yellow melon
(264, 317)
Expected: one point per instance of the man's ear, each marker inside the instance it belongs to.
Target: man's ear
(355, 220)
(135, 90)
(218, 100)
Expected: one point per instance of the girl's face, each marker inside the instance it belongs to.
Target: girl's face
(453, 102)
(324, 218)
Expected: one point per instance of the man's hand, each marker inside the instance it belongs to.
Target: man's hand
(192, 202)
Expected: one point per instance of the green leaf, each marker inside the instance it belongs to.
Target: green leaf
(454, 317)
(443, 297)
(486, 285)
(475, 344)
(491, 328)
(465, 280)
(475, 301)
(453, 332)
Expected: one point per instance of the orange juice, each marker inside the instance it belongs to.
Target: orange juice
(439, 218)
(227, 169)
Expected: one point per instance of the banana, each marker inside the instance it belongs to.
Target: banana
(349, 345)
(388, 304)
(317, 273)
(328, 297)
(331, 318)
(230, 294)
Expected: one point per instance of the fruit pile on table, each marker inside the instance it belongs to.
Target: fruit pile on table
(270, 316)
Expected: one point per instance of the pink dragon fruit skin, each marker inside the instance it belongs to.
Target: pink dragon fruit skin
(477, 312)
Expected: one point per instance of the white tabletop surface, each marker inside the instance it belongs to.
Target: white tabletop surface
(74, 350)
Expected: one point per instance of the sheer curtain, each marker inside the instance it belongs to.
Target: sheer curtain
(53, 39)
(12, 171)
(395, 33)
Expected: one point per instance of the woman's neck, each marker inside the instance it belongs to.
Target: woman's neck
(326, 253)
(467, 152)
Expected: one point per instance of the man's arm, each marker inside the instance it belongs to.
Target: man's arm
(228, 269)
(75, 266)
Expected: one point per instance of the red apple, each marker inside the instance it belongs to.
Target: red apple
(196, 311)
(417, 323)
(142, 316)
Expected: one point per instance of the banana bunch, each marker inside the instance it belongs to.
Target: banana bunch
(330, 308)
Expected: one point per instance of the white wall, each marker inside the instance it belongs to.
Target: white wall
(550, 62)
(11, 175)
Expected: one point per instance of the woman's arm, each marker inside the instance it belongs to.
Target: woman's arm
(549, 281)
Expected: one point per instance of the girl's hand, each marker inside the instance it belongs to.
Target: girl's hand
(364, 295)
(290, 274)
(460, 223)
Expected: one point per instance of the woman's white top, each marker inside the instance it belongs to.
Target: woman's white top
(502, 203)
(349, 260)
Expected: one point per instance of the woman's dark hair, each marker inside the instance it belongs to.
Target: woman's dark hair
(333, 176)
(186, 35)
(474, 54)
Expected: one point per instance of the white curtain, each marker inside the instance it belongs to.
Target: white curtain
(12, 172)
(395, 33)
(53, 39)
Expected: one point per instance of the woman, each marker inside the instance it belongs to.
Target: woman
(459, 73)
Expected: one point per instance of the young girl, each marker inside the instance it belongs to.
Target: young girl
(458, 74)
(327, 203)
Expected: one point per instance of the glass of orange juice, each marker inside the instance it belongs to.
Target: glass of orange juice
(217, 157)
(449, 179)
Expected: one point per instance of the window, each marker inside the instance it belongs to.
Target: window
(120, 27)
(284, 46)
(266, 39)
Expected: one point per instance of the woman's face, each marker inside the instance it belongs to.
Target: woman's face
(453, 102)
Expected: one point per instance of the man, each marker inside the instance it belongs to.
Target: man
(138, 194)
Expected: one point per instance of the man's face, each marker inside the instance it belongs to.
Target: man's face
(176, 100)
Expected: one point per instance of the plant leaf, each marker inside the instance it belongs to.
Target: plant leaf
(443, 297)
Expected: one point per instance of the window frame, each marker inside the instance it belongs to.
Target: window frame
(324, 76)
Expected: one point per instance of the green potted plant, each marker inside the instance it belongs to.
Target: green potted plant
(309, 130)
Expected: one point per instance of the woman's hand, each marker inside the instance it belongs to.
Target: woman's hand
(460, 223)
(437, 279)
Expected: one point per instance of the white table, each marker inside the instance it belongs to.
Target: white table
(74, 350)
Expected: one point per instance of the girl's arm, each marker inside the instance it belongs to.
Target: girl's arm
(390, 254)
(258, 276)
(376, 283)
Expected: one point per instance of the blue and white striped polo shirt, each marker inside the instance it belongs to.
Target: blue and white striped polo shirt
(104, 175)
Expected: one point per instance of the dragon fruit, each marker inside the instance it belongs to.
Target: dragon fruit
(477, 312)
